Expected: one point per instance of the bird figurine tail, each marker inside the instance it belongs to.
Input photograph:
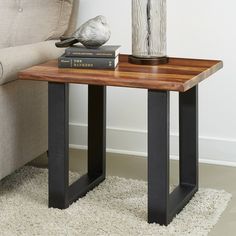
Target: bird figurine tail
(66, 42)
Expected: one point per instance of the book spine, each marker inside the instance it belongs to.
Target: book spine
(71, 53)
(92, 63)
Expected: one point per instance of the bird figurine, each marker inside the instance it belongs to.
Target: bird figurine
(92, 34)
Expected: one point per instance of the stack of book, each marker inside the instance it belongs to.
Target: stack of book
(105, 57)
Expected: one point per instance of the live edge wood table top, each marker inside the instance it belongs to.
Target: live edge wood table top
(178, 75)
(181, 75)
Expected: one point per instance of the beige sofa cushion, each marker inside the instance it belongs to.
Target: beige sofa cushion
(31, 21)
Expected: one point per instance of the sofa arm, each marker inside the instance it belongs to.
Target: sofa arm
(14, 59)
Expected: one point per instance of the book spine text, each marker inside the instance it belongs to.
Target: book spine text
(94, 63)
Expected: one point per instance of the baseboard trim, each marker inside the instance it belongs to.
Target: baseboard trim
(144, 155)
(213, 150)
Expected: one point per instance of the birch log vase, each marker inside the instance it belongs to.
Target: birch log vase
(148, 32)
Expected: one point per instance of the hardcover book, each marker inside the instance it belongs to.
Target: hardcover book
(106, 51)
(87, 63)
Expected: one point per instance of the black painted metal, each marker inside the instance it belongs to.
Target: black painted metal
(83, 185)
(188, 129)
(61, 195)
(178, 200)
(162, 206)
(58, 144)
(158, 156)
(96, 130)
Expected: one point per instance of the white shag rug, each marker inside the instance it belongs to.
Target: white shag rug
(117, 206)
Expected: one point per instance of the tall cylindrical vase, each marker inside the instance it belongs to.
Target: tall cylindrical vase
(148, 32)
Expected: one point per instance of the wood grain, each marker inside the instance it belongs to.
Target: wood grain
(149, 28)
(179, 74)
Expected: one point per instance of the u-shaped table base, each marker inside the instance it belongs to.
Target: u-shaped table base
(61, 195)
(162, 206)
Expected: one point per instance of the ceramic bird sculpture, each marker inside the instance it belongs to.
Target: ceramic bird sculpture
(92, 34)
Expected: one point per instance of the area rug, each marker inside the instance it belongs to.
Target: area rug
(118, 206)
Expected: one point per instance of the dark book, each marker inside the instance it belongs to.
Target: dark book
(104, 51)
(87, 63)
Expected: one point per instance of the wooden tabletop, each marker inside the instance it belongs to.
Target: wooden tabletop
(178, 75)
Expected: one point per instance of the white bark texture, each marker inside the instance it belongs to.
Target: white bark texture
(149, 28)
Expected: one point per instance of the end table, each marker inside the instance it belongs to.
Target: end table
(181, 75)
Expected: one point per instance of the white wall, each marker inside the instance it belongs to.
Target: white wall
(201, 29)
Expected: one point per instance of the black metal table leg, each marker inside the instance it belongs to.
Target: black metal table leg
(58, 144)
(162, 206)
(188, 130)
(158, 156)
(96, 131)
(61, 195)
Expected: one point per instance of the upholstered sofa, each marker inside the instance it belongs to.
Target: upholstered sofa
(28, 29)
